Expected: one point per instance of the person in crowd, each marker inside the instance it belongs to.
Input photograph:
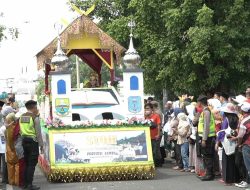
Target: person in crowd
(230, 173)
(206, 132)
(198, 160)
(19, 151)
(239, 162)
(214, 106)
(182, 139)
(214, 103)
(173, 136)
(2, 154)
(224, 99)
(217, 95)
(1, 115)
(157, 110)
(150, 99)
(167, 117)
(32, 140)
(3, 165)
(248, 94)
(190, 109)
(248, 88)
(155, 132)
(218, 154)
(166, 131)
(5, 111)
(11, 157)
(2, 142)
(192, 148)
(168, 111)
(243, 139)
(11, 104)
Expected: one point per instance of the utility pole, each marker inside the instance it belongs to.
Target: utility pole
(77, 73)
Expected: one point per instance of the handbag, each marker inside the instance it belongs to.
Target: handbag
(228, 145)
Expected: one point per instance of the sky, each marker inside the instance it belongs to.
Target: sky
(35, 21)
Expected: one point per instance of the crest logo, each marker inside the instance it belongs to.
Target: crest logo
(62, 106)
(134, 104)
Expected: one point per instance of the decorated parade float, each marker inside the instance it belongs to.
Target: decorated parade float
(91, 134)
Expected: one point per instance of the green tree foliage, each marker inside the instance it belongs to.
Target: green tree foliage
(191, 46)
(40, 90)
(12, 31)
(2, 28)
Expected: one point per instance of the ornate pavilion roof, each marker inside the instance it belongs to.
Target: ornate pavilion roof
(75, 30)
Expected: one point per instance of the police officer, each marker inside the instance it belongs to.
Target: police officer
(31, 134)
(206, 132)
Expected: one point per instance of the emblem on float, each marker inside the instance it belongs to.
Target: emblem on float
(62, 106)
(134, 104)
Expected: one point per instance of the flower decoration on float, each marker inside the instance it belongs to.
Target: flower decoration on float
(54, 123)
(57, 123)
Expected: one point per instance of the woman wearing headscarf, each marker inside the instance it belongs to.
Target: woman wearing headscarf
(14, 151)
(173, 136)
(11, 157)
(5, 111)
(19, 151)
(230, 173)
(182, 139)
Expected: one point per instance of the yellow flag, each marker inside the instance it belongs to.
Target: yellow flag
(86, 13)
(90, 10)
(76, 8)
(64, 22)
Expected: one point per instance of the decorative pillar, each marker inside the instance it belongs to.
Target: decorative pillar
(61, 84)
(60, 93)
(133, 81)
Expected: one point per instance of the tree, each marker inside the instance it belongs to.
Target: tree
(186, 46)
(12, 31)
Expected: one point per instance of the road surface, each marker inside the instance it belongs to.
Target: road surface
(166, 179)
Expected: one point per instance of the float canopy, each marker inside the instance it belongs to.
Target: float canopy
(86, 40)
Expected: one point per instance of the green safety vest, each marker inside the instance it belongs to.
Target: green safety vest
(27, 126)
(211, 125)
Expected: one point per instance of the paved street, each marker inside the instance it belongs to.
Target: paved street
(166, 179)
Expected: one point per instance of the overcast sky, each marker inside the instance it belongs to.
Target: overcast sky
(35, 20)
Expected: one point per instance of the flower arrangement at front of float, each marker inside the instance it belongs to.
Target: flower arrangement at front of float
(104, 173)
(57, 123)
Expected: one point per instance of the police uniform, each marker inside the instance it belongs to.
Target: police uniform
(31, 139)
(207, 133)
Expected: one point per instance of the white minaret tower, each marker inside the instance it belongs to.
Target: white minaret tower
(133, 80)
(60, 83)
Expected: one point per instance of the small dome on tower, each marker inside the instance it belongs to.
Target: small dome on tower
(59, 59)
(131, 59)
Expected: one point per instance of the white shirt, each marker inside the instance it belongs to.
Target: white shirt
(2, 140)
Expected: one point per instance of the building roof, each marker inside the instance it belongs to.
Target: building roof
(75, 30)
